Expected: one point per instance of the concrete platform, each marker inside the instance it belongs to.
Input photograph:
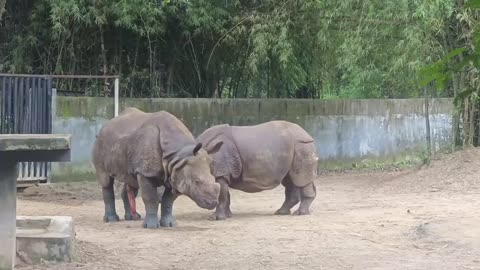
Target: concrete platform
(45, 238)
(21, 148)
(35, 147)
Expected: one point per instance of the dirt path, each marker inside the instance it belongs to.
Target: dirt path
(417, 219)
(359, 221)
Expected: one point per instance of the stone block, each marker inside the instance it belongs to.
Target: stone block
(45, 238)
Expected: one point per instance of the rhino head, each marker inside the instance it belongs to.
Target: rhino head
(190, 174)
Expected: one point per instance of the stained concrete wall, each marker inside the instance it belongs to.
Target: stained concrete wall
(345, 131)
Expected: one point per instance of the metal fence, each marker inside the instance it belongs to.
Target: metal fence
(26, 108)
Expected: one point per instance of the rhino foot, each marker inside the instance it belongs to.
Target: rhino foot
(151, 222)
(282, 212)
(151, 225)
(229, 213)
(168, 221)
(129, 216)
(220, 216)
(301, 212)
(111, 218)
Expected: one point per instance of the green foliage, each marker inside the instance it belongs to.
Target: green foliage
(462, 59)
(458, 67)
(439, 71)
(231, 48)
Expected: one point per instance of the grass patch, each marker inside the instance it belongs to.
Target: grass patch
(397, 162)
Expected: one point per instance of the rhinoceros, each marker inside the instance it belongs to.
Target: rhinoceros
(260, 157)
(146, 151)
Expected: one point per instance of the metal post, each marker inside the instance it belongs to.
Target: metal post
(427, 123)
(116, 96)
(52, 121)
(8, 211)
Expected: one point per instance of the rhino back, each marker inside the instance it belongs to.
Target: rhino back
(108, 146)
(225, 162)
(299, 135)
(173, 133)
(266, 151)
(160, 135)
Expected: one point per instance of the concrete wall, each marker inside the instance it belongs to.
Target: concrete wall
(346, 131)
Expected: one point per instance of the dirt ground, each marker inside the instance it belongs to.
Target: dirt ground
(425, 218)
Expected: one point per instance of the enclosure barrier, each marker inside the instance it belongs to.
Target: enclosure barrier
(26, 107)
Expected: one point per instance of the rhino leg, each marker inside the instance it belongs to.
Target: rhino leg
(228, 212)
(223, 208)
(150, 199)
(292, 197)
(167, 219)
(160, 191)
(109, 201)
(128, 197)
(307, 195)
(303, 173)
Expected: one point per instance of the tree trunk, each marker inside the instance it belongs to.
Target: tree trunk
(150, 66)
(120, 52)
(2, 7)
(134, 67)
(465, 122)
(455, 118)
(59, 59)
(239, 78)
(471, 131)
(477, 125)
(155, 73)
(269, 78)
(104, 58)
(171, 71)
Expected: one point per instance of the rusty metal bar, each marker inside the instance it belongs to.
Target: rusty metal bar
(61, 76)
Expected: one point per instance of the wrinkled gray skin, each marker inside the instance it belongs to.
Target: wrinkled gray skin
(257, 158)
(149, 150)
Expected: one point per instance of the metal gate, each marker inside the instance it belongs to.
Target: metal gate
(26, 108)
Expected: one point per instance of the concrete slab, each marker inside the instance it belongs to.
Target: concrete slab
(28, 147)
(35, 147)
(45, 238)
(32, 142)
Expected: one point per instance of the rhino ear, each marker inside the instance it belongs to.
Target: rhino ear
(197, 148)
(176, 162)
(214, 147)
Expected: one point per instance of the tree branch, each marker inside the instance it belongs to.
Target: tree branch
(365, 20)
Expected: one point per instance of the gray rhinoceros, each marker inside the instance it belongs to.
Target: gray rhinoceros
(260, 157)
(146, 151)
